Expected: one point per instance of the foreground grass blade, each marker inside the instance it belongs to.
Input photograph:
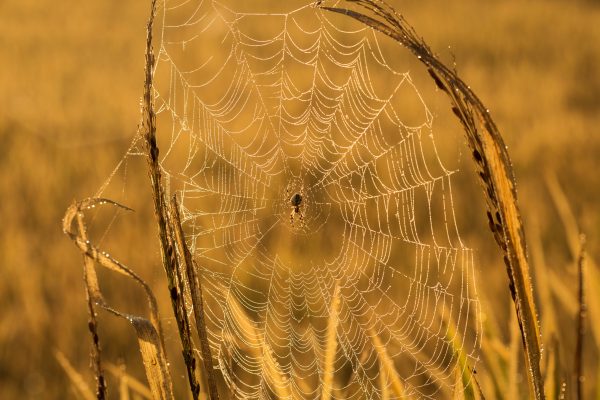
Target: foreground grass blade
(493, 165)
(149, 331)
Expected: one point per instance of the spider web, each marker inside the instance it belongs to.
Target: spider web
(369, 266)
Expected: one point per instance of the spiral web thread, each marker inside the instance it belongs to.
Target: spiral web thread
(312, 297)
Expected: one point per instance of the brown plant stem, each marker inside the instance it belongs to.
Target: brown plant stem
(148, 331)
(91, 287)
(168, 256)
(493, 165)
(195, 286)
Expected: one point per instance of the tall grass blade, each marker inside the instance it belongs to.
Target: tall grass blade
(191, 277)
(176, 270)
(494, 169)
(149, 331)
(161, 211)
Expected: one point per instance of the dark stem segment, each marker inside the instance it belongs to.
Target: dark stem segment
(181, 315)
(191, 277)
(581, 319)
(168, 256)
(89, 277)
(493, 165)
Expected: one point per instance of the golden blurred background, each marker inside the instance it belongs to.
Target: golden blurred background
(70, 87)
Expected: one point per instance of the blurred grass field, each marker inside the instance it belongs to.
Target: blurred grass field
(70, 86)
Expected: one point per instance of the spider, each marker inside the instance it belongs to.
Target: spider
(296, 201)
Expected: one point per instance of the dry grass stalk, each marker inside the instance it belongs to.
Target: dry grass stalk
(149, 331)
(581, 323)
(331, 345)
(161, 210)
(175, 268)
(494, 169)
(191, 277)
(79, 385)
(91, 290)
